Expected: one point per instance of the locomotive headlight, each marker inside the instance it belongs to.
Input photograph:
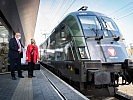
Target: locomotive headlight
(82, 52)
(130, 63)
(82, 55)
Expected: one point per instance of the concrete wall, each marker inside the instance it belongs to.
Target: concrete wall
(28, 11)
(10, 12)
(21, 15)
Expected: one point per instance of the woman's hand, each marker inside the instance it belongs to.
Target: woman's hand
(38, 60)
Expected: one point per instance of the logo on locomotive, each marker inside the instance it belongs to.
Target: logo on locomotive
(111, 51)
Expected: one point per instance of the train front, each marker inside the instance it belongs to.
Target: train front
(104, 46)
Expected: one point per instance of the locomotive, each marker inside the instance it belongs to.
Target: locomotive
(87, 48)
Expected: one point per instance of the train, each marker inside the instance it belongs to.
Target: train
(88, 48)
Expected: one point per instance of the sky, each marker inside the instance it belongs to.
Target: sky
(51, 12)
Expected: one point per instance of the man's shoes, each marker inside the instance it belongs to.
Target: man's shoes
(21, 76)
(14, 78)
(33, 76)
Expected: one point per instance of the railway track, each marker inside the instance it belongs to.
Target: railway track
(116, 97)
(122, 97)
(55, 88)
(62, 89)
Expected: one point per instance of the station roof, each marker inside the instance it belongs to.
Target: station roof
(28, 11)
(21, 16)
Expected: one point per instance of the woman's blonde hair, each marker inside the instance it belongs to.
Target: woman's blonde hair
(33, 40)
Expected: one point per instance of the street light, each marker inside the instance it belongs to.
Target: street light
(45, 35)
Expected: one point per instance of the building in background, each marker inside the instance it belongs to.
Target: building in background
(16, 16)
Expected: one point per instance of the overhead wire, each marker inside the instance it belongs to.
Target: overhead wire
(59, 8)
(65, 7)
(126, 7)
(55, 12)
(125, 16)
(64, 4)
(68, 8)
(118, 10)
(47, 11)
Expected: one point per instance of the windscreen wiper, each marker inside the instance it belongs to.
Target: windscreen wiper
(116, 38)
(97, 37)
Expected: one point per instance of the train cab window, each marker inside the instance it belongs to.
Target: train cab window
(65, 34)
(89, 25)
(110, 26)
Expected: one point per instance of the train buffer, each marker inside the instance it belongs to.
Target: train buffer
(45, 86)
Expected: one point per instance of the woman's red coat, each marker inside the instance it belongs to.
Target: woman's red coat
(28, 53)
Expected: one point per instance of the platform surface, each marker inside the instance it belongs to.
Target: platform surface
(36, 88)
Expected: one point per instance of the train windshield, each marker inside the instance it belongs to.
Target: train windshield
(109, 27)
(90, 25)
(109, 24)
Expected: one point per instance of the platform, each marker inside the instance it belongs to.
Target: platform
(126, 91)
(45, 86)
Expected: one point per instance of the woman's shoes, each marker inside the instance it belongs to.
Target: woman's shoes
(14, 78)
(29, 76)
(21, 76)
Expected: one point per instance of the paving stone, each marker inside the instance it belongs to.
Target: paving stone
(36, 88)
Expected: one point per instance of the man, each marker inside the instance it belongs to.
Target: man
(15, 50)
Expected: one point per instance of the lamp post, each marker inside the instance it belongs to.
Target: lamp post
(44, 35)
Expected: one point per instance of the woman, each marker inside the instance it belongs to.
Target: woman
(32, 57)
